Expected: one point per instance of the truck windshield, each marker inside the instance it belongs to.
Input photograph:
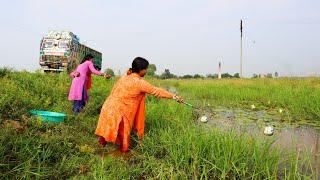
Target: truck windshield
(64, 44)
(48, 44)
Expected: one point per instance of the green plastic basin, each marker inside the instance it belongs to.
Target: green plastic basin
(49, 116)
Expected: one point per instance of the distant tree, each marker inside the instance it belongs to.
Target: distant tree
(187, 76)
(236, 75)
(276, 74)
(213, 76)
(197, 76)
(269, 75)
(152, 70)
(109, 71)
(6, 70)
(226, 75)
(255, 76)
(167, 75)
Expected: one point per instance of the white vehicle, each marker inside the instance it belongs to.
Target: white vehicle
(62, 51)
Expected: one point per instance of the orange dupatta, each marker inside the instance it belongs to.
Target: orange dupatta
(89, 81)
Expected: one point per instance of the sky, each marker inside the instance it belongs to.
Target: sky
(184, 36)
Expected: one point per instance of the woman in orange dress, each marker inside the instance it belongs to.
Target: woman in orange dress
(124, 109)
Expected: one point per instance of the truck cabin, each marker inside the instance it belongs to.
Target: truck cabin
(56, 43)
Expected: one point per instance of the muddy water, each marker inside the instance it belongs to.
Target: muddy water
(287, 136)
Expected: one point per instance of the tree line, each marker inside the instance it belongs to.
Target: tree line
(168, 75)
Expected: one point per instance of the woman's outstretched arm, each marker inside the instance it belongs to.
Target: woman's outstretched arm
(155, 91)
(93, 70)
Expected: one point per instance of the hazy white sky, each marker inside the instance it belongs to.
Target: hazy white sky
(184, 36)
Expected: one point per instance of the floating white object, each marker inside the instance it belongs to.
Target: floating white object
(204, 119)
(268, 131)
(280, 110)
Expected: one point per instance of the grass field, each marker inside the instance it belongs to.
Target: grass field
(174, 145)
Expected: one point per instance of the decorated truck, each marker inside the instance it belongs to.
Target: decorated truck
(62, 51)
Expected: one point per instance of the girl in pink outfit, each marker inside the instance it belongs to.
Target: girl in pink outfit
(82, 82)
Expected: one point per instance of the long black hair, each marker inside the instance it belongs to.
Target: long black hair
(87, 57)
(139, 64)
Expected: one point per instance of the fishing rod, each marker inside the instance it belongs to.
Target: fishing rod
(190, 105)
(203, 118)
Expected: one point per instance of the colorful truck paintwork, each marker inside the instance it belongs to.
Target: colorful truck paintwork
(62, 51)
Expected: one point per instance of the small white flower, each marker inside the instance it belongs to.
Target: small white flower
(280, 110)
(252, 106)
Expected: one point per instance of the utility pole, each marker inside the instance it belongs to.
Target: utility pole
(241, 75)
(219, 72)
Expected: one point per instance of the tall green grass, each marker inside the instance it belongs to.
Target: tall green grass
(174, 146)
